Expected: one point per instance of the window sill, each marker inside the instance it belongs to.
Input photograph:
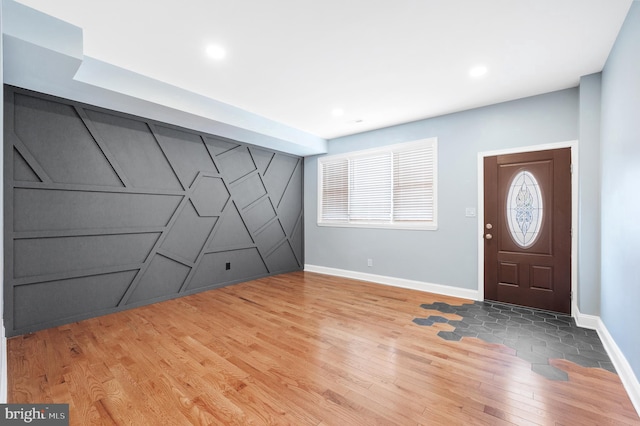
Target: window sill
(406, 226)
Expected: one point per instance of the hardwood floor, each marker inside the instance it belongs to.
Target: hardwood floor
(300, 349)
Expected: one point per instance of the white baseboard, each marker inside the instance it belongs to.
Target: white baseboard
(628, 378)
(396, 282)
(586, 321)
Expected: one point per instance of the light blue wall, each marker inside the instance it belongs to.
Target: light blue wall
(620, 135)
(449, 255)
(589, 195)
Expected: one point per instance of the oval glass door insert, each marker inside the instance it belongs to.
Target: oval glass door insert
(524, 209)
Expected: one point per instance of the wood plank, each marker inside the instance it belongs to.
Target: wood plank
(298, 348)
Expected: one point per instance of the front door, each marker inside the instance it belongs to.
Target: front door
(527, 229)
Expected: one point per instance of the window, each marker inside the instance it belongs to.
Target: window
(389, 187)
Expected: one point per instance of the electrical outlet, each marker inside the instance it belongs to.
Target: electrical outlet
(369, 262)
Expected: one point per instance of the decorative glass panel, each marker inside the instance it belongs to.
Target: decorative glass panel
(524, 209)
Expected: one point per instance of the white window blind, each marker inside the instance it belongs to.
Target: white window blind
(413, 185)
(370, 188)
(391, 187)
(335, 191)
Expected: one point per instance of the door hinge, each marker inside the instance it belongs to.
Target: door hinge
(571, 168)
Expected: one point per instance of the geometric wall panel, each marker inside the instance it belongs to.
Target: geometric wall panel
(57, 209)
(21, 170)
(42, 256)
(259, 214)
(248, 191)
(217, 146)
(297, 240)
(236, 163)
(46, 301)
(186, 153)
(291, 203)
(104, 211)
(262, 158)
(163, 277)
(281, 259)
(209, 196)
(244, 264)
(188, 234)
(269, 236)
(60, 129)
(277, 176)
(135, 150)
(231, 232)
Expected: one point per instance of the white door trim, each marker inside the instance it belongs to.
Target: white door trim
(574, 211)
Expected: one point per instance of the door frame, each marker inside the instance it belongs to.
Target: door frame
(573, 145)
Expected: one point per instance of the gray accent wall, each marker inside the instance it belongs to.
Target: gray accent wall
(620, 164)
(448, 255)
(105, 211)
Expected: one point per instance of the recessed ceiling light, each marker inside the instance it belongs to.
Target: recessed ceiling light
(216, 52)
(478, 71)
(337, 112)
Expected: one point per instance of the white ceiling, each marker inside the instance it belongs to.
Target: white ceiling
(383, 61)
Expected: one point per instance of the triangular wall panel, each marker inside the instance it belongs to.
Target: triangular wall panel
(58, 139)
(232, 232)
(21, 170)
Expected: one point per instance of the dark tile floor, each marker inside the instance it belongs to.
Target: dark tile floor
(536, 335)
